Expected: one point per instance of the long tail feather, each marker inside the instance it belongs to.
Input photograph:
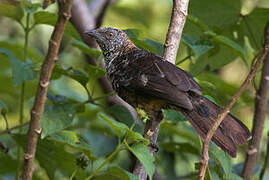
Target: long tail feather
(230, 132)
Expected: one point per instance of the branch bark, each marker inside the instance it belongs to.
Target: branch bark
(178, 18)
(266, 159)
(204, 157)
(40, 98)
(259, 119)
(177, 21)
(84, 19)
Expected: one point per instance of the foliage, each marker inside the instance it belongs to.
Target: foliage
(82, 137)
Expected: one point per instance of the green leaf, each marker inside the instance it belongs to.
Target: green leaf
(173, 115)
(180, 147)
(70, 72)
(8, 163)
(220, 13)
(72, 139)
(56, 118)
(120, 173)
(94, 53)
(148, 44)
(141, 152)
(253, 26)
(198, 46)
(95, 71)
(232, 45)
(11, 10)
(222, 159)
(3, 108)
(21, 71)
(132, 33)
(44, 17)
(30, 7)
(155, 46)
(53, 156)
(17, 49)
(120, 129)
(122, 114)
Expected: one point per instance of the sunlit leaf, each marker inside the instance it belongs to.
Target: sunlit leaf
(48, 18)
(11, 10)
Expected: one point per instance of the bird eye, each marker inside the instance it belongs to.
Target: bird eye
(109, 35)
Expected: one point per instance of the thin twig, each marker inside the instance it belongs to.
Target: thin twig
(6, 121)
(259, 118)
(265, 164)
(204, 157)
(40, 98)
(13, 128)
(177, 21)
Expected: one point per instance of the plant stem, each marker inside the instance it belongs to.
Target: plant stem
(26, 37)
(118, 149)
(6, 121)
(73, 174)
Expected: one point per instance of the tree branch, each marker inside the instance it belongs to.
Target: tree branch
(266, 159)
(13, 128)
(178, 18)
(40, 98)
(83, 19)
(259, 119)
(204, 157)
(177, 21)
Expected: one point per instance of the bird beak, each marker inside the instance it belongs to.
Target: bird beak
(93, 33)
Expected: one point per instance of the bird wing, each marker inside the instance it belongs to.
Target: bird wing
(154, 76)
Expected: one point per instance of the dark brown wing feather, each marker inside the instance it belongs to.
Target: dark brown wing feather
(231, 131)
(156, 77)
(153, 76)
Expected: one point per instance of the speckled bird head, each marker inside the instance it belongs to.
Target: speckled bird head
(112, 41)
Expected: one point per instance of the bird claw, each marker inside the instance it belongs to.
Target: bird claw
(154, 146)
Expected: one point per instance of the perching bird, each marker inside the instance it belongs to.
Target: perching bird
(148, 81)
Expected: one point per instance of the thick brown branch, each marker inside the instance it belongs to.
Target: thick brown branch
(178, 18)
(177, 21)
(249, 78)
(40, 98)
(258, 121)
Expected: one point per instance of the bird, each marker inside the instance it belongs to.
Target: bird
(150, 82)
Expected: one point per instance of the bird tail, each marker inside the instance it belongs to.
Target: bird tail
(231, 131)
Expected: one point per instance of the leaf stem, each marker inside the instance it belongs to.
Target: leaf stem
(6, 121)
(73, 174)
(114, 153)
